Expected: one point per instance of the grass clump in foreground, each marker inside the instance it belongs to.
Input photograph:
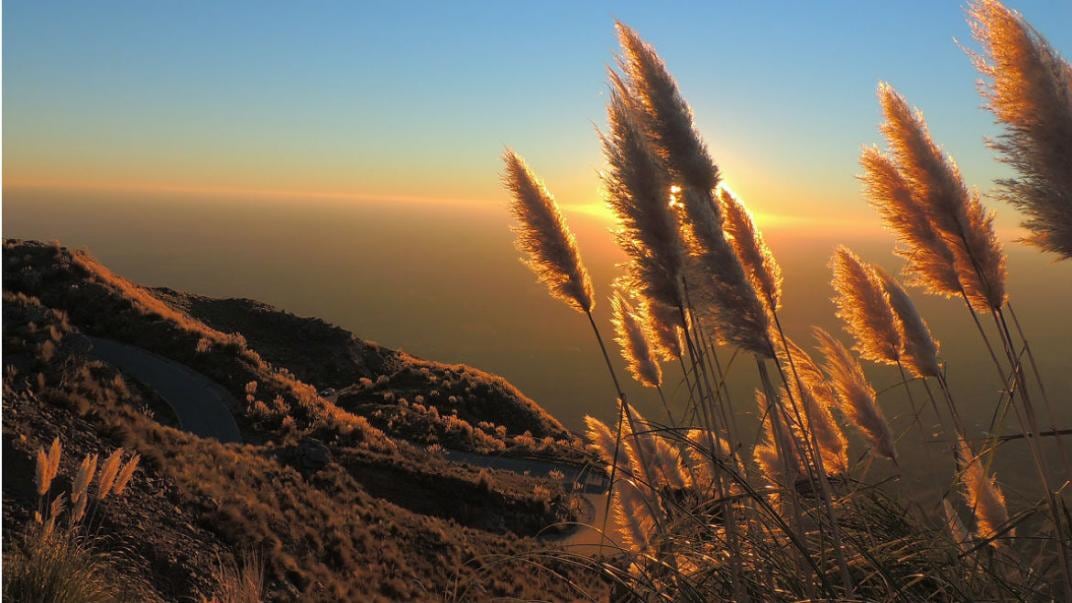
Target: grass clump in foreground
(700, 510)
(60, 560)
(59, 566)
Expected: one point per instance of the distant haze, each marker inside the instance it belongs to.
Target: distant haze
(443, 281)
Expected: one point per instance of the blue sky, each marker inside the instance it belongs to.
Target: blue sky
(417, 99)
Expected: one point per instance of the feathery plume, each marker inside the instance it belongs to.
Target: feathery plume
(643, 447)
(54, 511)
(108, 473)
(1030, 92)
(47, 466)
(768, 453)
(919, 347)
(699, 457)
(667, 115)
(984, 496)
(956, 527)
(752, 250)
(863, 305)
(639, 194)
(929, 262)
(818, 398)
(602, 441)
(545, 238)
(125, 474)
(80, 488)
(670, 466)
(78, 509)
(665, 325)
(715, 270)
(632, 335)
(855, 396)
(633, 516)
(54, 452)
(42, 476)
(956, 213)
(723, 292)
(86, 470)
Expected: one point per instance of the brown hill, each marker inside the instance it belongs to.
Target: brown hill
(338, 506)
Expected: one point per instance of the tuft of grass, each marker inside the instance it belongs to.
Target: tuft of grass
(240, 581)
(59, 566)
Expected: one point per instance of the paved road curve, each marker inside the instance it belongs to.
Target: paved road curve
(202, 405)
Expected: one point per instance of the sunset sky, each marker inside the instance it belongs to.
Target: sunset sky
(407, 100)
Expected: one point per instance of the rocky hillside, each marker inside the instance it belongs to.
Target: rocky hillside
(341, 497)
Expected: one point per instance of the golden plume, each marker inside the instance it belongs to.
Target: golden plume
(919, 352)
(756, 257)
(544, 236)
(1030, 92)
(125, 474)
(633, 516)
(955, 212)
(720, 286)
(603, 441)
(108, 473)
(638, 192)
(863, 305)
(984, 497)
(666, 328)
(634, 339)
(928, 261)
(855, 396)
(667, 115)
(699, 458)
(818, 398)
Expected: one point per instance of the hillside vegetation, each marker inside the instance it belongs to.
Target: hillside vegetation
(333, 506)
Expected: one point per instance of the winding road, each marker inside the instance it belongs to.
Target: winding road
(202, 405)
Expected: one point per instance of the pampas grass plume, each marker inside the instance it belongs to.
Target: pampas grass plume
(863, 305)
(125, 474)
(544, 236)
(634, 338)
(856, 397)
(984, 496)
(755, 255)
(929, 262)
(1030, 93)
(936, 183)
(920, 348)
